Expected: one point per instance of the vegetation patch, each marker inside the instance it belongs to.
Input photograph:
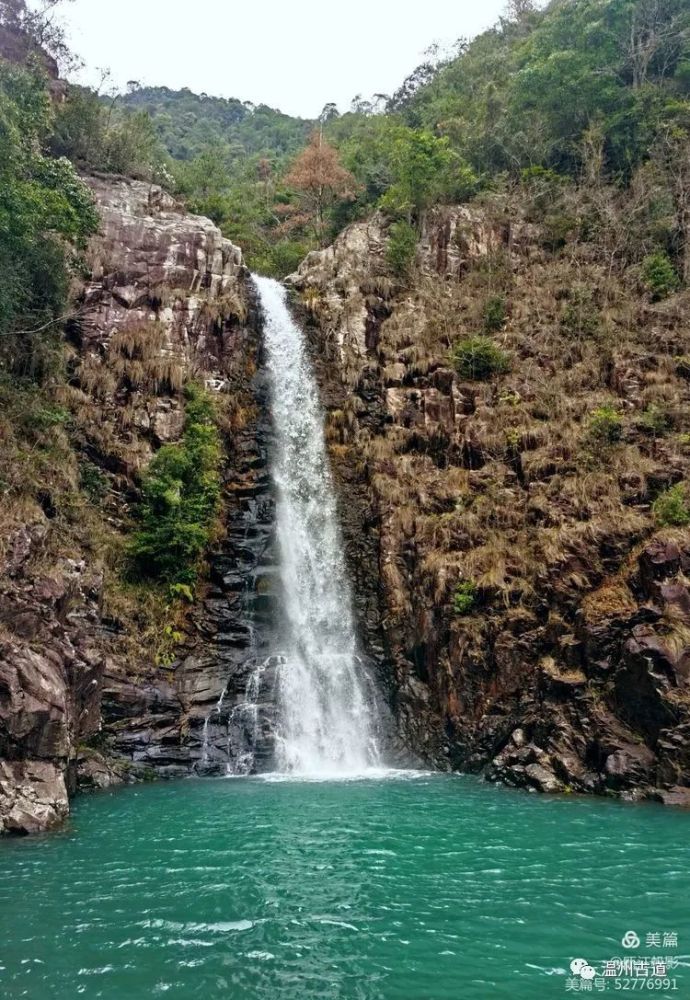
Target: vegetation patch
(494, 313)
(672, 508)
(465, 598)
(659, 276)
(605, 425)
(478, 358)
(402, 248)
(181, 498)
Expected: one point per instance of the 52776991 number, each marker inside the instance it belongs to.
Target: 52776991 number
(646, 984)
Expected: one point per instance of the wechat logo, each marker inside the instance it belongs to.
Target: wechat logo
(581, 967)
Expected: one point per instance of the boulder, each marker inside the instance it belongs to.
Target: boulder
(33, 796)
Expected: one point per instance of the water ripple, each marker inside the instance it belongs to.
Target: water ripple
(427, 888)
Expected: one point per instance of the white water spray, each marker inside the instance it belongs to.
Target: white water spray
(326, 722)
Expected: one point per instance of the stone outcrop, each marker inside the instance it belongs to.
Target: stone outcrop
(167, 299)
(51, 666)
(569, 670)
(566, 664)
(152, 262)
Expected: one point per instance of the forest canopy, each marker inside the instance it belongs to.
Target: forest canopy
(544, 98)
(546, 89)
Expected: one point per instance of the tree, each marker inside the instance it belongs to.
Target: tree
(673, 156)
(321, 180)
(37, 26)
(518, 10)
(419, 162)
(204, 181)
(658, 35)
(99, 136)
(328, 113)
(46, 215)
(416, 81)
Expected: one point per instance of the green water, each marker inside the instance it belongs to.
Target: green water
(410, 889)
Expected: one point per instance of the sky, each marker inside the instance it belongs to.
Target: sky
(295, 55)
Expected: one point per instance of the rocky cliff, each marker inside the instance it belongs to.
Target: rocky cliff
(511, 566)
(526, 607)
(97, 683)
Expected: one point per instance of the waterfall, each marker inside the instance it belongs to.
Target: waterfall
(326, 718)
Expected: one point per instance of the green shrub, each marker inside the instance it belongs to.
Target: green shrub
(465, 598)
(478, 358)
(279, 260)
(557, 230)
(605, 425)
(653, 420)
(92, 482)
(46, 217)
(180, 498)
(672, 507)
(402, 247)
(106, 137)
(494, 313)
(659, 276)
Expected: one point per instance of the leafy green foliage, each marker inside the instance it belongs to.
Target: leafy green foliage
(180, 498)
(399, 168)
(188, 124)
(605, 425)
(419, 162)
(494, 313)
(402, 248)
(659, 276)
(46, 215)
(654, 420)
(672, 508)
(506, 101)
(92, 482)
(478, 358)
(465, 598)
(103, 136)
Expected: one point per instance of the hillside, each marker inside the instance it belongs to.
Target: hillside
(510, 433)
(496, 297)
(391, 536)
(188, 123)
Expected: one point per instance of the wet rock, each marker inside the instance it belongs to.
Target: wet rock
(628, 767)
(542, 778)
(94, 771)
(676, 796)
(33, 796)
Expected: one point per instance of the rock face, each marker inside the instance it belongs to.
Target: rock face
(50, 675)
(527, 615)
(154, 263)
(168, 298)
(566, 668)
(33, 796)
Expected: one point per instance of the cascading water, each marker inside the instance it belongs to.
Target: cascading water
(326, 721)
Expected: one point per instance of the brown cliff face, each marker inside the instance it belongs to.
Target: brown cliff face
(83, 694)
(567, 667)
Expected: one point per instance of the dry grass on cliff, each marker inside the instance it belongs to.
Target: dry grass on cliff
(38, 469)
(566, 451)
